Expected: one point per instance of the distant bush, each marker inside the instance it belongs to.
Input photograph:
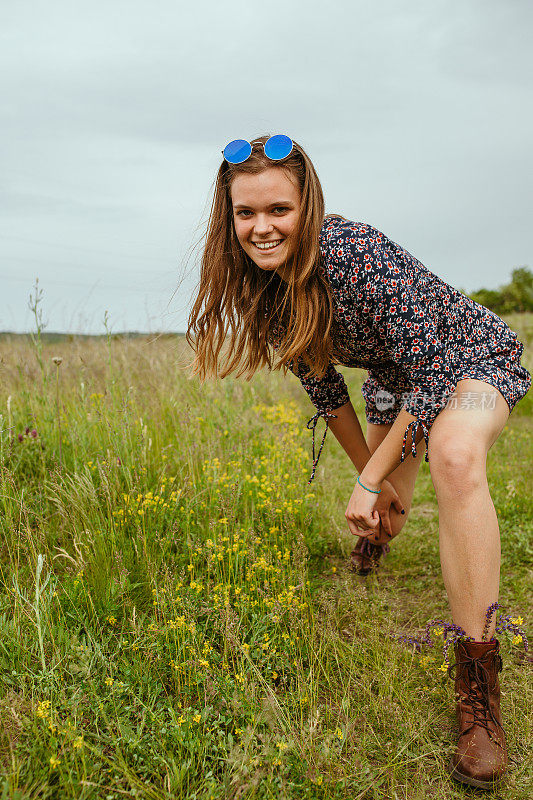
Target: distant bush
(516, 296)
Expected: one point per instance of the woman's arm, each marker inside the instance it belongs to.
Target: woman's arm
(387, 456)
(348, 432)
(373, 469)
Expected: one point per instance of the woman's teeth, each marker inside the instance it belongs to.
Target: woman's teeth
(267, 245)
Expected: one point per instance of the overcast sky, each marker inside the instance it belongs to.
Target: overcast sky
(416, 113)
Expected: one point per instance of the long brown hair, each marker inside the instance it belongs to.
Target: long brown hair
(257, 306)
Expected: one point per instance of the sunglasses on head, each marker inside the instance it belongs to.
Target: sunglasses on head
(276, 148)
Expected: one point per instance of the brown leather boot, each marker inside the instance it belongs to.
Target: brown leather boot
(365, 556)
(481, 755)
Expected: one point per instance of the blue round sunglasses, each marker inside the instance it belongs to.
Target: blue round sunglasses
(276, 148)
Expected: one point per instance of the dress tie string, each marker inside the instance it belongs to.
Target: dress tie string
(311, 425)
(415, 423)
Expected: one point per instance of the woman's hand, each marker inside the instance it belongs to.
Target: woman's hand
(366, 510)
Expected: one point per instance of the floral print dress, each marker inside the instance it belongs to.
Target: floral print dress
(414, 334)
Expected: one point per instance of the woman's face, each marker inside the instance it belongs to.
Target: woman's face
(266, 208)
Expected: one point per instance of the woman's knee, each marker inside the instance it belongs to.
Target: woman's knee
(397, 521)
(457, 464)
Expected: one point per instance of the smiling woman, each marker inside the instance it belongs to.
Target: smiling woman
(260, 271)
(323, 290)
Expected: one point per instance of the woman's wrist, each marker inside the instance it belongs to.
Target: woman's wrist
(369, 488)
(370, 480)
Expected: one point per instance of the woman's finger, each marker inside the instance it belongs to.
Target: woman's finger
(369, 523)
(354, 530)
(357, 527)
(373, 520)
(398, 505)
(386, 523)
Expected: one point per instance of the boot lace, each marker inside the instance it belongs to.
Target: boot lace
(369, 550)
(476, 676)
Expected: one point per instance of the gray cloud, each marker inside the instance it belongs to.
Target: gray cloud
(417, 116)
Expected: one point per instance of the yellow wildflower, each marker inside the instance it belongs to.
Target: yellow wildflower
(42, 708)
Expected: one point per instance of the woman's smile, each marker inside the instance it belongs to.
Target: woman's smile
(263, 246)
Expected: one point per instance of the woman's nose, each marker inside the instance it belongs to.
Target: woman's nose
(263, 225)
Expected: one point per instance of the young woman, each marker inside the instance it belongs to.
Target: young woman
(321, 291)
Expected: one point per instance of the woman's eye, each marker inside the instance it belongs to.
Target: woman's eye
(245, 212)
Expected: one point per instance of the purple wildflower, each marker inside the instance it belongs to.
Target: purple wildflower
(488, 617)
(453, 633)
(506, 623)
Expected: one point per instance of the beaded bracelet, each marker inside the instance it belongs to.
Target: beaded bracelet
(374, 491)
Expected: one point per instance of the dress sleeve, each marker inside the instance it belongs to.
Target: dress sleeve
(326, 394)
(402, 303)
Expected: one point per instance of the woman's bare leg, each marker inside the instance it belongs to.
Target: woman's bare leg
(469, 535)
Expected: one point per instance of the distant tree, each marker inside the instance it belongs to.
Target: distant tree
(518, 295)
(515, 296)
(490, 298)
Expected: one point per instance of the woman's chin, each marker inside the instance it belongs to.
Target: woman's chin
(268, 267)
(280, 265)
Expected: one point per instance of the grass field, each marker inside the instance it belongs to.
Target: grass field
(177, 619)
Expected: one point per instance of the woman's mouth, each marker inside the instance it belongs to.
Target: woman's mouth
(266, 246)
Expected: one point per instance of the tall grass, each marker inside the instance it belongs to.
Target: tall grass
(176, 615)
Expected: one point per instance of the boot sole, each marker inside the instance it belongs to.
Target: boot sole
(363, 572)
(471, 781)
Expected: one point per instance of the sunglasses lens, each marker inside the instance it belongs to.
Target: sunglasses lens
(278, 147)
(237, 151)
